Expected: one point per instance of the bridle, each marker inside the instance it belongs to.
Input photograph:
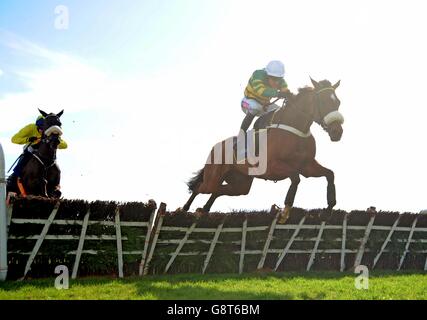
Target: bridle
(323, 120)
(39, 158)
(326, 120)
(56, 122)
(47, 138)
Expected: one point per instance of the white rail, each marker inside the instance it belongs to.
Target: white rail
(3, 218)
(157, 240)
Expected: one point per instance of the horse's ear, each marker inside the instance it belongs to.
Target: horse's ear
(60, 114)
(44, 114)
(336, 85)
(315, 83)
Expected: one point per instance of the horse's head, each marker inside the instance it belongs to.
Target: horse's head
(51, 129)
(52, 140)
(51, 119)
(326, 105)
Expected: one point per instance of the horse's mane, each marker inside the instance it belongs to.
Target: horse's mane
(292, 96)
(307, 89)
(325, 84)
(304, 90)
(322, 84)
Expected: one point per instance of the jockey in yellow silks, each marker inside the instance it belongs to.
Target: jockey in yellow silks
(30, 135)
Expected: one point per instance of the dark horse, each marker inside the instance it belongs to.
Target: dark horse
(41, 175)
(290, 150)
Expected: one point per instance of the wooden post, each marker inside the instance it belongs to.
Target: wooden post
(343, 240)
(243, 245)
(143, 269)
(41, 238)
(289, 244)
(316, 245)
(393, 228)
(361, 250)
(119, 242)
(267, 242)
(81, 243)
(3, 219)
(408, 243)
(147, 239)
(212, 246)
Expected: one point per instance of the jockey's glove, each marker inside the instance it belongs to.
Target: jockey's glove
(282, 95)
(32, 139)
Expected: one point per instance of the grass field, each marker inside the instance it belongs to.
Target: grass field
(313, 285)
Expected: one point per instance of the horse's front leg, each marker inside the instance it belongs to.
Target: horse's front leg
(54, 191)
(53, 187)
(35, 186)
(290, 198)
(314, 169)
(282, 170)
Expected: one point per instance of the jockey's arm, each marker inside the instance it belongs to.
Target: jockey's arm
(257, 84)
(23, 135)
(284, 86)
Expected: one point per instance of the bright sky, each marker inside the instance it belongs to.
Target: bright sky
(148, 87)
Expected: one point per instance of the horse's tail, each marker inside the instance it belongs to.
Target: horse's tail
(194, 181)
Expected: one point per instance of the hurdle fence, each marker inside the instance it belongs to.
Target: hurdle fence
(138, 239)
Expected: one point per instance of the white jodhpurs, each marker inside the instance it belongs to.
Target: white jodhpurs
(255, 108)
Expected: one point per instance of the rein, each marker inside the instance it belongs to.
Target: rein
(294, 130)
(42, 163)
(45, 139)
(264, 107)
(319, 106)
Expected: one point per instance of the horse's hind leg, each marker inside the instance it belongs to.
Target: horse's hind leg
(237, 185)
(209, 203)
(212, 178)
(189, 201)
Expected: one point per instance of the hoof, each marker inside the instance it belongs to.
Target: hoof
(199, 212)
(326, 215)
(274, 209)
(180, 210)
(56, 194)
(284, 215)
(10, 197)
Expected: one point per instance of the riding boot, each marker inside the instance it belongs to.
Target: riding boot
(24, 158)
(244, 126)
(247, 122)
(11, 181)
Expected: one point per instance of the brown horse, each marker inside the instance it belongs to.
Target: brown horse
(290, 150)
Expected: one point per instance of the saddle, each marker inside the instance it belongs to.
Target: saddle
(264, 121)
